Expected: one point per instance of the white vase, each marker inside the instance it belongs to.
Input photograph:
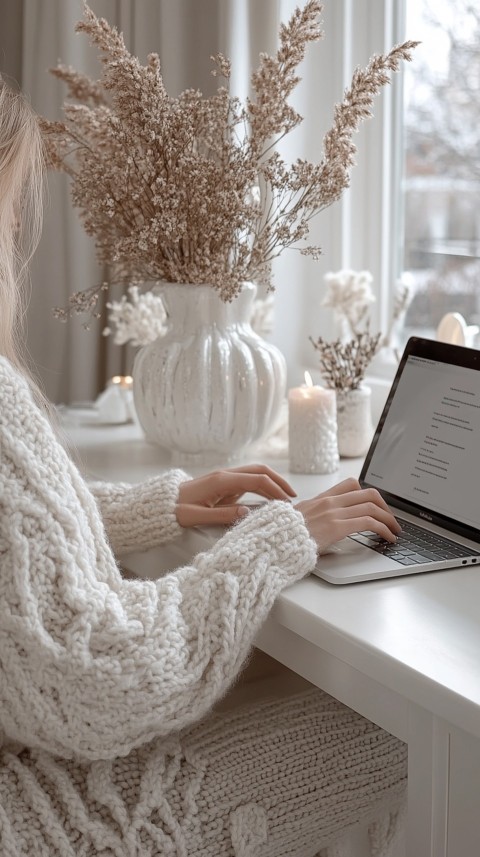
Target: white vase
(354, 421)
(210, 386)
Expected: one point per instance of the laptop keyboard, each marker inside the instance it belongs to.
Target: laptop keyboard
(414, 545)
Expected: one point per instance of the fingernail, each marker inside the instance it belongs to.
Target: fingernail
(242, 511)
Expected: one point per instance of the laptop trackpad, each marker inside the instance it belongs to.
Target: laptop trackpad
(348, 561)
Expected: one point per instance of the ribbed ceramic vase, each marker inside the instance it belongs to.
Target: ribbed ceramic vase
(210, 386)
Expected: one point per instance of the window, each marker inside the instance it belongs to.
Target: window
(440, 256)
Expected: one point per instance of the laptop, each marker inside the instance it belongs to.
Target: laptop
(425, 461)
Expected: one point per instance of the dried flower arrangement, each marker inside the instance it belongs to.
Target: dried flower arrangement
(350, 295)
(192, 189)
(344, 364)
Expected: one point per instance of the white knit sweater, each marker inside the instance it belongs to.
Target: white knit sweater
(101, 677)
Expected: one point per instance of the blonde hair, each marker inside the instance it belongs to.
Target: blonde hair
(21, 182)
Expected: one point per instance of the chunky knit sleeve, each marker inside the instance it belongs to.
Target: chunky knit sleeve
(139, 517)
(92, 665)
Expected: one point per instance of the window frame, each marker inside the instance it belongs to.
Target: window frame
(364, 229)
(372, 211)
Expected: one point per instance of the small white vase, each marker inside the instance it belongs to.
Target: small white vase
(210, 386)
(354, 421)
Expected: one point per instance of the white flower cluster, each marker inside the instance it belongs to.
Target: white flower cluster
(139, 320)
(350, 294)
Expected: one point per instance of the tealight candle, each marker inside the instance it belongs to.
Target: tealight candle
(312, 428)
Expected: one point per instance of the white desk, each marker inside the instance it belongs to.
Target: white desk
(404, 652)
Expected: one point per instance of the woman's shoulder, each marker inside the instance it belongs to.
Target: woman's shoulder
(20, 415)
(15, 394)
(11, 379)
(27, 438)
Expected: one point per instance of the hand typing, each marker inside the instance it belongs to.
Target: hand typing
(344, 509)
(214, 498)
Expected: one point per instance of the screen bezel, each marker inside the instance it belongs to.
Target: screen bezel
(429, 349)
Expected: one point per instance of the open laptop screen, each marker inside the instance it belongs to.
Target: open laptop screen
(425, 455)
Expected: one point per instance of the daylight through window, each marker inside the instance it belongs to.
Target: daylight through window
(441, 182)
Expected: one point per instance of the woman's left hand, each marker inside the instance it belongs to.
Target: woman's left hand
(213, 499)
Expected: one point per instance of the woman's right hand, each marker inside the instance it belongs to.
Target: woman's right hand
(345, 509)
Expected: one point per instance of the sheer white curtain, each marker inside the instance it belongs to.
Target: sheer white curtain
(34, 35)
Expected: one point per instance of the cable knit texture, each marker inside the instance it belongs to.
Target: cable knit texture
(139, 517)
(105, 683)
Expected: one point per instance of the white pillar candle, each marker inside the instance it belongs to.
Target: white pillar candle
(312, 429)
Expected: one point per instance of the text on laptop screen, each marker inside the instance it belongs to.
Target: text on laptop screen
(428, 451)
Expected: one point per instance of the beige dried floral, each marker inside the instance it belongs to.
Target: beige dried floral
(170, 187)
(350, 295)
(343, 364)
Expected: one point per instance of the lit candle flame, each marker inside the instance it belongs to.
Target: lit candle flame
(308, 379)
(124, 381)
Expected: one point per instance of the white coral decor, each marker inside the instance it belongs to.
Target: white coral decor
(140, 320)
